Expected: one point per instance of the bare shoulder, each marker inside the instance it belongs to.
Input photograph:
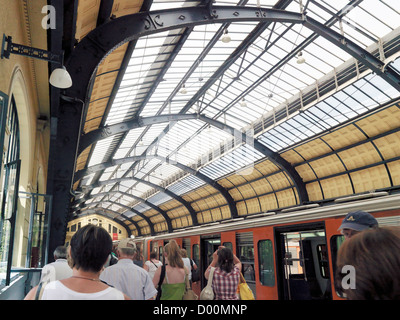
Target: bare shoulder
(31, 294)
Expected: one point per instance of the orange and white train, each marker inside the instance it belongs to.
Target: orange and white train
(288, 254)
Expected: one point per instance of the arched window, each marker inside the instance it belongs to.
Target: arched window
(9, 180)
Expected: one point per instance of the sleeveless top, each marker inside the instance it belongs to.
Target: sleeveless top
(153, 267)
(172, 291)
(57, 291)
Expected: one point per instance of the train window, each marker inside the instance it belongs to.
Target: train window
(245, 249)
(266, 263)
(160, 254)
(154, 247)
(73, 228)
(186, 246)
(336, 242)
(323, 260)
(196, 254)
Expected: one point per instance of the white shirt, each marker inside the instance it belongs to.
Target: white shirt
(56, 270)
(57, 291)
(152, 267)
(131, 279)
(186, 262)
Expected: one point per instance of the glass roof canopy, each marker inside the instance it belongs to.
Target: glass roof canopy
(192, 71)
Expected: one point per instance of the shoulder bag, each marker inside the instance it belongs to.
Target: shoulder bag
(207, 293)
(162, 275)
(245, 292)
(189, 293)
(40, 290)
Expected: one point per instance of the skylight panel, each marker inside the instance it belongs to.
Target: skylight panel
(186, 185)
(331, 53)
(371, 15)
(235, 160)
(87, 180)
(142, 207)
(388, 92)
(100, 150)
(328, 120)
(159, 198)
(376, 87)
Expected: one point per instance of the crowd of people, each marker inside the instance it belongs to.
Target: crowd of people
(88, 271)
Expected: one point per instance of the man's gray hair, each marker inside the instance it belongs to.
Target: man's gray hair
(127, 251)
(60, 252)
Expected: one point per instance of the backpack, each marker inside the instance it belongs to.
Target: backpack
(195, 273)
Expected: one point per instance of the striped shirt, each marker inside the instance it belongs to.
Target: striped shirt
(225, 284)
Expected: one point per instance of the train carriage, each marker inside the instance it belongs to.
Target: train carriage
(286, 255)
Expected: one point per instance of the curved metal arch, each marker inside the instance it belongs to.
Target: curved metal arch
(102, 166)
(107, 131)
(161, 189)
(125, 207)
(116, 214)
(274, 157)
(158, 209)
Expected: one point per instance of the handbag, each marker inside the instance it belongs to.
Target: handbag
(189, 293)
(207, 293)
(245, 292)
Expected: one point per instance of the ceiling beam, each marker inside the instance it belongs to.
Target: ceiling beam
(107, 131)
(186, 204)
(125, 194)
(102, 166)
(375, 64)
(129, 209)
(102, 212)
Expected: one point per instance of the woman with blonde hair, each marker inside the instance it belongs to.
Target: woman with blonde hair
(170, 278)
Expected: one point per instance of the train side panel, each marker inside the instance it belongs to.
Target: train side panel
(334, 238)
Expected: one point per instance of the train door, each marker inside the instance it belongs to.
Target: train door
(245, 253)
(264, 255)
(209, 245)
(303, 266)
(160, 253)
(195, 255)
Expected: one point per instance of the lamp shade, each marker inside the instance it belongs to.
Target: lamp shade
(60, 78)
(226, 38)
(183, 90)
(301, 59)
